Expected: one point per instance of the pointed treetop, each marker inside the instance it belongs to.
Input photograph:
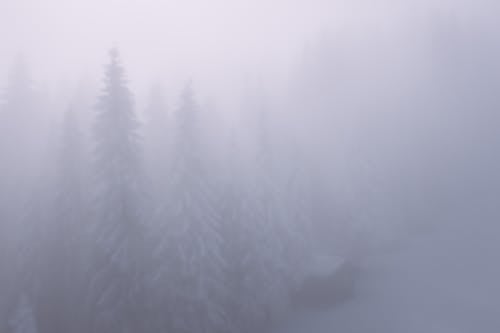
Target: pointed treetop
(114, 54)
(114, 69)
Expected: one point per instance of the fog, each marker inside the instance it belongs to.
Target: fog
(242, 166)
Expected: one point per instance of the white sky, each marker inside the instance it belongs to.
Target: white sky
(211, 41)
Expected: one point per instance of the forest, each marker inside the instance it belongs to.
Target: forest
(168, 206)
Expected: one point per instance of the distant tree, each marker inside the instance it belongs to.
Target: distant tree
(17, 113)
(297, 215)
(234, 231)
(20, 139)
(253, 221)
(63, 258)
(263, 211)
(191, 235)
(117, 290)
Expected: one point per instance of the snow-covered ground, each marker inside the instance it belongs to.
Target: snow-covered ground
(444, 281)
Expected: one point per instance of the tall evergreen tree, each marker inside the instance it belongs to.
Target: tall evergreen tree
(116, 290)
(236, 231)
(20, 138)
(257, 271)
(63, 266)
(283, 192)
(192, 240)
(265, 251)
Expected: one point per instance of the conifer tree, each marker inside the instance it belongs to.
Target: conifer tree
(193, 244)
(116, 291)
(62, 273)
(267, 270)
(19, 147)
(257, 271)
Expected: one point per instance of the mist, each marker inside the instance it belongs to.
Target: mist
(243, 166)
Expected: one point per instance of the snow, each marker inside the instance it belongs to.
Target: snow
(446, 280)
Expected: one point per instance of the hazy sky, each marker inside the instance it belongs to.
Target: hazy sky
(174, 38)
(208, 40)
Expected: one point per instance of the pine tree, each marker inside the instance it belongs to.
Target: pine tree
(22, 121)
(116, 290)
(235, 233)
(16, 116)
(20, 138)
(191, 222)
(257, 271)
(267, 270)
(62, 273)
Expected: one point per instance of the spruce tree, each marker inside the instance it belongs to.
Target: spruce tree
(19, 150)
(116, 290)
(192, 241)
(62, 273)
(255, 241)
(265, 249)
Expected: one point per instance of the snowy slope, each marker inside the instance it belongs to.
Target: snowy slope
(447, 280)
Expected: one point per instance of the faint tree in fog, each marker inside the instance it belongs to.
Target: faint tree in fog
(118, 230)
(260, 271)
(296, 202)
(191, 239)
(62, 278)
(235, 230)
(17, 113)
(19, 140)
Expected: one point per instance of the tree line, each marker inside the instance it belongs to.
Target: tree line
(132, 227)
